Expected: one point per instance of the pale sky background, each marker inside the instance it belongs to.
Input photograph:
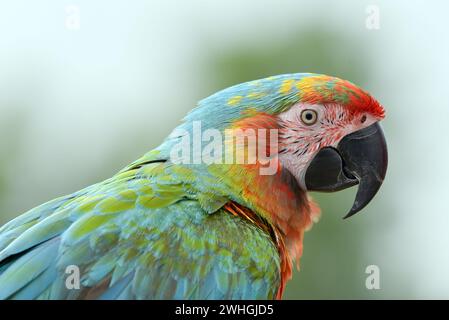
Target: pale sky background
(77, 105)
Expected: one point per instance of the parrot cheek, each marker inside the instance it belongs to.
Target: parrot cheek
(360, 158)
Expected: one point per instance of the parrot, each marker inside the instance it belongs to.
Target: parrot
(182, 223)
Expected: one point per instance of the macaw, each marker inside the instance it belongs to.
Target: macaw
(168, 227)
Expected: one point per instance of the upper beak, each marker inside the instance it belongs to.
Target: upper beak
(360, 158)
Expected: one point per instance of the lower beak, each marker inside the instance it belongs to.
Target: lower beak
(360, 158)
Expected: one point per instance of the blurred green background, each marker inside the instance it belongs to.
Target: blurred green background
(80, 101)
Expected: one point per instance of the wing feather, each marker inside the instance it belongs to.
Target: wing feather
(140, 235)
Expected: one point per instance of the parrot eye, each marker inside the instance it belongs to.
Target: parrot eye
(309, 117)
(363, 119)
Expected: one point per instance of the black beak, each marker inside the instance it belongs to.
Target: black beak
(360, 158)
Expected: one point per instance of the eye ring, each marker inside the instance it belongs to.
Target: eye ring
(309, 117)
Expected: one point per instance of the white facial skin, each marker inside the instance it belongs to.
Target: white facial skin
(306, 129)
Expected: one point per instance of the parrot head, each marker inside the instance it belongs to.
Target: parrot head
(328, 139)
(329, 146)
